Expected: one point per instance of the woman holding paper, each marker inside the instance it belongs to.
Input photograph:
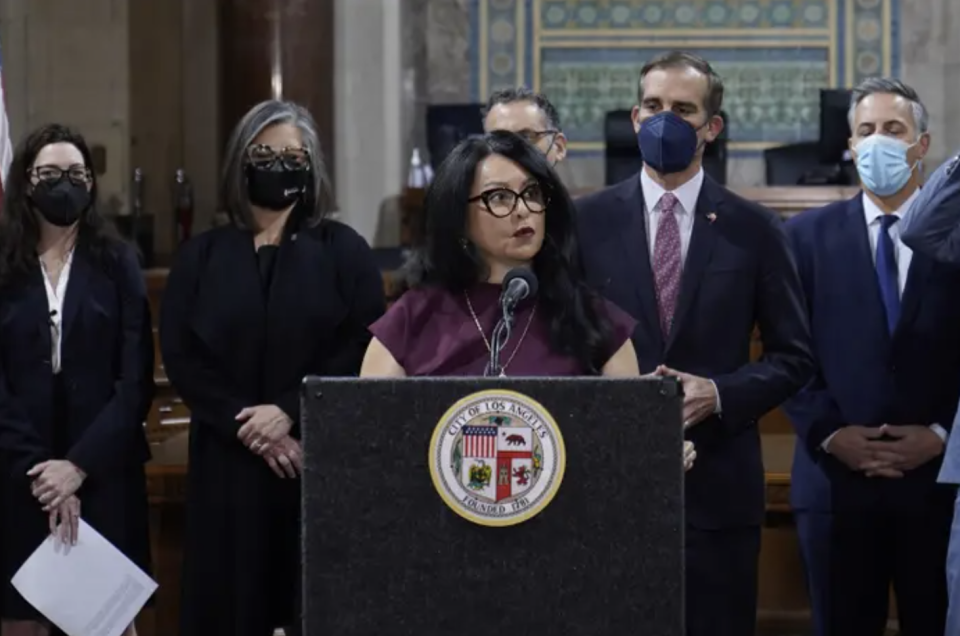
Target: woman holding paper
(76, 367)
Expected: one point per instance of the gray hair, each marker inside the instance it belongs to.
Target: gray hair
(873, 85)
(233, 180)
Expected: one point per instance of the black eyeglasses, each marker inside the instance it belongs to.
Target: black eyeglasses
(77, 173)
(534, 136)
(263, 156)
(501, 202)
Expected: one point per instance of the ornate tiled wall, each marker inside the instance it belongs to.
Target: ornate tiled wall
(445, 60)
(774, 56)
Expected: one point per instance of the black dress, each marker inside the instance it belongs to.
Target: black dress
(242, 328)
(90, 413)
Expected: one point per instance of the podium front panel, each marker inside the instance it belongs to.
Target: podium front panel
(383, 553)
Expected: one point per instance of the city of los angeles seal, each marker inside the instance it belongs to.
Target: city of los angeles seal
(497, 458)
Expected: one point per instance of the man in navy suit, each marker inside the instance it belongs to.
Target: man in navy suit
(932, 227)
(872, 423)
(699, 268)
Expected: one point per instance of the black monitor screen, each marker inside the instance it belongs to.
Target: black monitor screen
(448, 125)
(834, 125)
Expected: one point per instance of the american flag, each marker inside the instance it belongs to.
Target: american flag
(6, 144)
(480, 441)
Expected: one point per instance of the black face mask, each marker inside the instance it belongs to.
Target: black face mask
(60, 202)
(275, 188)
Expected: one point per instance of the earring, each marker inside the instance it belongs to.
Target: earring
(463, 244)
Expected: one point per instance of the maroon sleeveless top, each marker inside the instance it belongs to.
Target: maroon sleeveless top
(431, 332)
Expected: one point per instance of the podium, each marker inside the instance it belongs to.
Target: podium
(482, 506)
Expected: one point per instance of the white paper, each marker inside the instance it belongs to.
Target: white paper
(87, 589)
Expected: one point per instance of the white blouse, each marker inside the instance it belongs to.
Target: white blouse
(55, 296)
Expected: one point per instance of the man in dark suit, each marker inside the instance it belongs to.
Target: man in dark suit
(932, 226)
(699, 267)
(872, 423)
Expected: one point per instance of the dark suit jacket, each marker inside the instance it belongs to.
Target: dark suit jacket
(106, 363)
(865, 375)
(738, 274)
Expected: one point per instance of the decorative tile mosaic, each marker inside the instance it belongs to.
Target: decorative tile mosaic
(774, 55)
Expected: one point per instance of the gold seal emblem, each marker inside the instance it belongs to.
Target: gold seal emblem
(497, 458)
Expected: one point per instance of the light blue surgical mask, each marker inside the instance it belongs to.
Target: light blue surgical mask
(882, 164)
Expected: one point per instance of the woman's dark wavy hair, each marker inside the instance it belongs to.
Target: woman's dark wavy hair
(448, 259)
(19, 224)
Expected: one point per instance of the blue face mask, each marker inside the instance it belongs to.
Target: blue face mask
(667, 142)
(882, 164)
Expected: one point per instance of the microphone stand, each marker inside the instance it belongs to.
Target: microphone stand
(498, 340)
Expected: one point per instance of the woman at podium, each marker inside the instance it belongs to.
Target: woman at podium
(76, 368)
(496, 205)
(279, 293)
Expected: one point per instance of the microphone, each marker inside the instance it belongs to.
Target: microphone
(519, 283)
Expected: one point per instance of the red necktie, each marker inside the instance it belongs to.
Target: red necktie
(667, 264)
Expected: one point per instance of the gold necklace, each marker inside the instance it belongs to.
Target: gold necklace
(523, 335)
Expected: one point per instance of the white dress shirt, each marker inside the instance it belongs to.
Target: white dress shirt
(687, 196)
(55, 296)
(903, 255)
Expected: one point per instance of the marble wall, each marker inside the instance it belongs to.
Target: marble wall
(43, 81)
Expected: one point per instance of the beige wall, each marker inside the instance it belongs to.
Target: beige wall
(140, 78)
(65, 61)
(135, 76)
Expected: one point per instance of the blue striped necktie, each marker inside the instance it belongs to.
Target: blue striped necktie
(887, 271)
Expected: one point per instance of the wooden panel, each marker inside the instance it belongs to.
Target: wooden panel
(275, 49)
(156, 113)
(782, 595)
(791, 200)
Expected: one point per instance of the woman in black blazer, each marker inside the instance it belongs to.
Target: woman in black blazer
(76, 366)
(249, 310)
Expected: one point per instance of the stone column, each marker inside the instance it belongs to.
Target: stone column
(370, 110)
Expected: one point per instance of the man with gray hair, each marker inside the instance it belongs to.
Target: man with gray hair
(530, 115)
(873, 422)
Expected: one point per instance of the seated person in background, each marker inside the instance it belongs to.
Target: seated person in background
(496, 204)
